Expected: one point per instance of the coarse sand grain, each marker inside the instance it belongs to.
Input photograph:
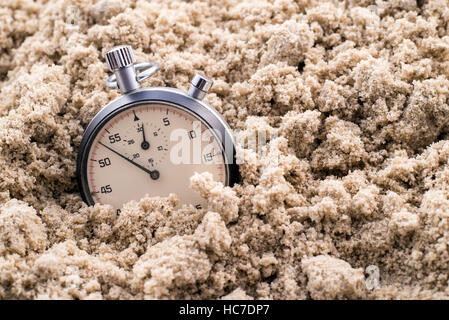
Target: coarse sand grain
(349, 199)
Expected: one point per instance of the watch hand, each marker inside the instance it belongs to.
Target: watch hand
(154, 174)
(145, 145)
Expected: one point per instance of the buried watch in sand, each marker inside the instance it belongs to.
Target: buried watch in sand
(152, 140)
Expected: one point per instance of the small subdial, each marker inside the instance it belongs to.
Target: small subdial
(149, 144)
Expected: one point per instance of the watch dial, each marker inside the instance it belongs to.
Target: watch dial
(152, 149)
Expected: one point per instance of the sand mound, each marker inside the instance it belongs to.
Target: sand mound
(352, 185)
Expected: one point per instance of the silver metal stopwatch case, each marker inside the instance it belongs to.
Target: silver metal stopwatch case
(151, 140)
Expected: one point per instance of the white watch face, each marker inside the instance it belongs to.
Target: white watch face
(152, 149)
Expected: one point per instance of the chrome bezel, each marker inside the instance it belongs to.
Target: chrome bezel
(162, 95)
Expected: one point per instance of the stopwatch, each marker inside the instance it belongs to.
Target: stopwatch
(150, 141)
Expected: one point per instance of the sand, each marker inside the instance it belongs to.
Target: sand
(348, 200)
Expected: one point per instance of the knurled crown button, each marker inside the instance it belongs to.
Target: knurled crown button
(120, 57)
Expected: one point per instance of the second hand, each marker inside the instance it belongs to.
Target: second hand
(154, 174)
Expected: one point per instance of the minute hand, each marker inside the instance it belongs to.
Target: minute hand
(151, 173)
